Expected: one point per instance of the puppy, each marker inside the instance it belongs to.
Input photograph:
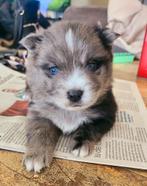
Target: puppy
(69, 76)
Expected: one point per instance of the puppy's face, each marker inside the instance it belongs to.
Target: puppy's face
(69, 65)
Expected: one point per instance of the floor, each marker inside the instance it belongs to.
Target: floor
(67, 173)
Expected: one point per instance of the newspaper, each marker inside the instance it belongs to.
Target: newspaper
(125, 145)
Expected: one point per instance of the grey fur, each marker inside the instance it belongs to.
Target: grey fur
(50, 111)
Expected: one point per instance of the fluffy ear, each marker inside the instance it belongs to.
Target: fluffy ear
(106, 35)
(31, 41)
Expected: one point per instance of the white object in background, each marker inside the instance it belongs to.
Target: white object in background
(128, 18)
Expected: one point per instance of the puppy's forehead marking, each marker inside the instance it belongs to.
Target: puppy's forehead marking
(69, 38)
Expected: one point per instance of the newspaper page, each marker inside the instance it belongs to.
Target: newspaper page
(12, 86)
(125, 145)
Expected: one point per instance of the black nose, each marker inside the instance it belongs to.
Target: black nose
(74, 95)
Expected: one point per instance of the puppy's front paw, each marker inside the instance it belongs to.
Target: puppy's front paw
(82, 151)
(35, 162)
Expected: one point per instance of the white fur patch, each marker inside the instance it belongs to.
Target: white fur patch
(68, 121)
(79, 80)
(38, 165)
(82, 151)
(33, 164)
(69, 38)
(76, 80)
(29, 164)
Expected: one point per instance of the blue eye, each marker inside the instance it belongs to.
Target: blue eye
(53, 70)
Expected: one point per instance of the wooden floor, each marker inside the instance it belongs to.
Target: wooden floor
(69, 173)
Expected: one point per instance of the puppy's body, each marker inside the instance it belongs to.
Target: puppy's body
(69, 85)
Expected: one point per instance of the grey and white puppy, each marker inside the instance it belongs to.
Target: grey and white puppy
(69, 76)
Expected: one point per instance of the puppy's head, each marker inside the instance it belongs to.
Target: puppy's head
(69, 65)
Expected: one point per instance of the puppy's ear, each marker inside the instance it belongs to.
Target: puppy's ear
(31, 41)
(106, 35)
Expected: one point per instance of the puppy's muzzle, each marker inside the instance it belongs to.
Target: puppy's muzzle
(74, 95)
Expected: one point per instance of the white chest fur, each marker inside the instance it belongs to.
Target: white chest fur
(68, 121)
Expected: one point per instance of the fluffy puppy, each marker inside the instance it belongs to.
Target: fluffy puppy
(69, 76)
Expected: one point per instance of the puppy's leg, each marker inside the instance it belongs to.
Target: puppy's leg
(42, 137)
(88, 134)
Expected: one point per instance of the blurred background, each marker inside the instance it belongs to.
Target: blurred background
(127, 18)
